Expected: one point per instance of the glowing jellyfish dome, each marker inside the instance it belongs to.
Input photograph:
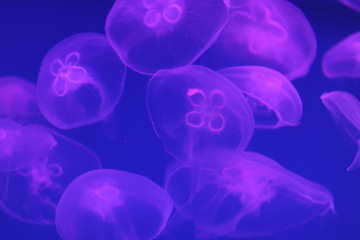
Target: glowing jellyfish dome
(150, 35)
(18, 101)
(271, 33)
(43, 165)
(194, 110)
(80, 81)
(112, 205)
(250, 196)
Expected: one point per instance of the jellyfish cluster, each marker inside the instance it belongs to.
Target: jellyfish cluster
(218, 72)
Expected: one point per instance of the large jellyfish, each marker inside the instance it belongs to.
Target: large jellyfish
(150, 35)
(18, 102)
(345, 109)
(30, 194)
(352, 4)
(271, 33)
(274, 101)
(112, 205)
(194, 110)
(250, 196)
(22, 146)
(80, 81)
(343, 59)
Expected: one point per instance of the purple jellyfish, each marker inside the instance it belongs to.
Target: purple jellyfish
(250, 196)
(80, 81)
(150, 35)
(343, 59)
(352, 4)
(30, 194)
(18, 102)
(271, 33)
(345, 109)
(194, 110)
(112, 205)
(274, 101)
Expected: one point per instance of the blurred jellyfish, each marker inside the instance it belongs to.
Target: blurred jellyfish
(18, 102)
(22, 146)
(250, 196)
(150, 35)
(80, 81)
(194, 110)
(31, 193)
(274, 101)
(352, 4)
(345, 109)
(271, 33)
(343, 59)
(112, 205)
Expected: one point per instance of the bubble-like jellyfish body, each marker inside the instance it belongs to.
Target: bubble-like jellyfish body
(112, 205)
(274, 101)
(80, 81)
(345, 109)
(194, 110)
(250, 196)
(31, 194)
(22, 146)
(271, 33)
(353, 4)
(17, 100)
(343, 59)
(150, 35)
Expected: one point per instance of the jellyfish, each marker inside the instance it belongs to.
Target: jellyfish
(271, 33)
(18, 102)
(343, 59)
(150, 35)
(112, 205)
(80, 81)
(194, 110)
(22, 146)
(345, 109)
(31, 194)
(352, 4)
(250, 196)
(274, 101)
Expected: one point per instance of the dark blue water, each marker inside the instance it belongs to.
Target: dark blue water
(316, 149)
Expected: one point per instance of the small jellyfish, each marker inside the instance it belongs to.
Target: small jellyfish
(31, 194)
(22, 146)
(250, 196)
(274, 101)
(352, 4)
(271, 33)
(343, 59)
(112, 205)
(194, 110)
(80, 81)
(150, 35)
(18, 102)
(345, 109)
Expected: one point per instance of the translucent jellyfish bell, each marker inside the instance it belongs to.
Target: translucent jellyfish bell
(271, 33)
(343, 59)
(194, 110)
(112, 205)
(30, 194)
(345, 109)
(352, 4)
(22, 146)
(250, 196)
(80, 81)
(274, 101)
(17, 100)
(150, 35)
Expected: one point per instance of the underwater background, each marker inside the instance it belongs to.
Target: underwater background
(316, 149)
